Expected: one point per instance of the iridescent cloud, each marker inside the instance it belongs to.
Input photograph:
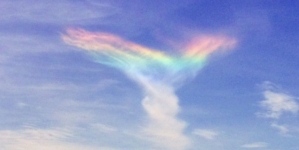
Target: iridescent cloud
(136, 59)
(157, 72)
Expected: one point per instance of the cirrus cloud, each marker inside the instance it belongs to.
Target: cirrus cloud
(255, 145)
(205, 133)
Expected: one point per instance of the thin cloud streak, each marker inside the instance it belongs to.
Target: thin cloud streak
(104, 128)
(205, 133)
(255, 145)
(281, 128)
(36, 139)
(59, 12)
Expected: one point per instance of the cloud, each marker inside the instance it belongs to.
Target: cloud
(37, 139)
(205, 133)
(60, 12)
(104, 128)
(281, 128)
(163, 127)
(255, 145)
(135, 59)
(158, 73)
(54, 104)
(277, 103)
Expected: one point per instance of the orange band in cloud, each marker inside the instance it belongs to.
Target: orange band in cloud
(114, 51)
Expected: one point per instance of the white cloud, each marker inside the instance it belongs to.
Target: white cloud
(255, 145)
(54, 11)
(163, 128)
(277, 103)
(281, 128)
(37, 139)
(104, 128)
(207, 134)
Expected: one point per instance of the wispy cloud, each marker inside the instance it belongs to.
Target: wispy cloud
(48, 118)
(104, 128)
(255, 145)
(205, 133)
(36, 139)
(277, 103)
(61, 12)
(283, 129)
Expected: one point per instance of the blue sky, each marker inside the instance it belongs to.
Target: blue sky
(55, 96)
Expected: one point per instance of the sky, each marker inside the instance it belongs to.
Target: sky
(149, 75)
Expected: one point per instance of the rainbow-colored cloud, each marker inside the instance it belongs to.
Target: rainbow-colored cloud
(133, 58)
(157, 72)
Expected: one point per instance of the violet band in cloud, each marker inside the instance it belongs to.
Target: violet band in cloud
(114, 51)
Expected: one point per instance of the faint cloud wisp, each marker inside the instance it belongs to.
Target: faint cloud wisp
(255, 145)
(36, 139)
(281, 128)
(207, 134)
